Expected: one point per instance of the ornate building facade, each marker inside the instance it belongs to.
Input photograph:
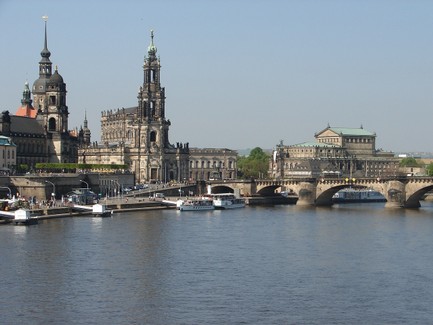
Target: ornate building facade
(41, 132)
(138, 137)
(346, 152)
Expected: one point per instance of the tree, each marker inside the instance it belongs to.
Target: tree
(409, 162)
(256, 165)
(429, 169)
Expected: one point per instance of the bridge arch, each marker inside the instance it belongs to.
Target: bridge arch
(268, 190)
(221, 189)
(414, 196)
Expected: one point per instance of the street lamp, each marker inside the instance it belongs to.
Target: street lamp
(85, 183)
(54, 188)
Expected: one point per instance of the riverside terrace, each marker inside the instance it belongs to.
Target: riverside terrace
(59, 210)
(400, 191)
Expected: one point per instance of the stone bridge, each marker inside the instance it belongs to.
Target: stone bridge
(399, 191)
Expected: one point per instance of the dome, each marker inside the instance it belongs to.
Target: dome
(56, 78)
(40, 85)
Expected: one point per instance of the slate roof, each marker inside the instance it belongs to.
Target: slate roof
(26, 125)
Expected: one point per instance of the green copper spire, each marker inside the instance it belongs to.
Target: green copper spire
(151, 50)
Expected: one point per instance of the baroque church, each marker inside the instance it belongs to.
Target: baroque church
(40, 130)
(138, 137)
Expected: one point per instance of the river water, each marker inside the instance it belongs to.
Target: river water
(348, 264)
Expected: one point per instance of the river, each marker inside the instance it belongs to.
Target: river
(348, 264)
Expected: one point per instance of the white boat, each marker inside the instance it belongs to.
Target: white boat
(195, 204)
(227, 201)
(351, 195)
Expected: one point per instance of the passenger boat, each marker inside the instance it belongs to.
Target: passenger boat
(199, 204)
(227, 201)
(351, 195)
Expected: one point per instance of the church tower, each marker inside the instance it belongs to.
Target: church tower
(49, 93)
(137, 137)
(84, 133)
(151, 103)
(45, 65)
(157, 158)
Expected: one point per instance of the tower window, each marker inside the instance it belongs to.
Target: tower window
(152, 108)
(152, 136)
(52, 100)
(52, 124)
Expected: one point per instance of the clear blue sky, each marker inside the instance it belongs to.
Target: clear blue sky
(239, 73)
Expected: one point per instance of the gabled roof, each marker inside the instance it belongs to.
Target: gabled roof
(348, 131)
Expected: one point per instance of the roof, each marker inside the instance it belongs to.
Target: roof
(5, 141)
(352, 131)
(27, 111)
(56, 78)
(26, 125)
(315, 145)
(347, 131)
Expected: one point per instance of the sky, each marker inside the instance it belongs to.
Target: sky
(237, 73)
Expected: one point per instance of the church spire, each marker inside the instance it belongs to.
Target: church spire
(45, 63)
(26, 109)
(85, 119)
(26, 95)
(151, 50)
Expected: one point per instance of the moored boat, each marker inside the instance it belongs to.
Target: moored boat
(227, 201)
(195, 204)
(351, 195)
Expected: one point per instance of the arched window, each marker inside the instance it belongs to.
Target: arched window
(152, 136)
(52, 124)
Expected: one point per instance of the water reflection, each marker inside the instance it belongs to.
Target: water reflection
(286, 264)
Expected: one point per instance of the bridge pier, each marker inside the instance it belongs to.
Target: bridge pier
(307, 194)
(395, 194)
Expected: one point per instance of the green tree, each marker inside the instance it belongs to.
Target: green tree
(22, 168)
(429, 169)
(256, 165)
(409, 162)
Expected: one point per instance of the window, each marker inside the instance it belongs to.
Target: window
(152, 136)
(52, 124)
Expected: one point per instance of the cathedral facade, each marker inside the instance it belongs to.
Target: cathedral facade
(138, 137)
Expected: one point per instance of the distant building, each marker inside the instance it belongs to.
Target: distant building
(139, 138)
(7, 155)
(348, 152)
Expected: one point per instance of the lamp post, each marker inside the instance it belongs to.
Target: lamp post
(54, 189)
(87, 184)
(10, 192)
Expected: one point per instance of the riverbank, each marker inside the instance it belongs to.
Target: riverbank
(129, 204)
